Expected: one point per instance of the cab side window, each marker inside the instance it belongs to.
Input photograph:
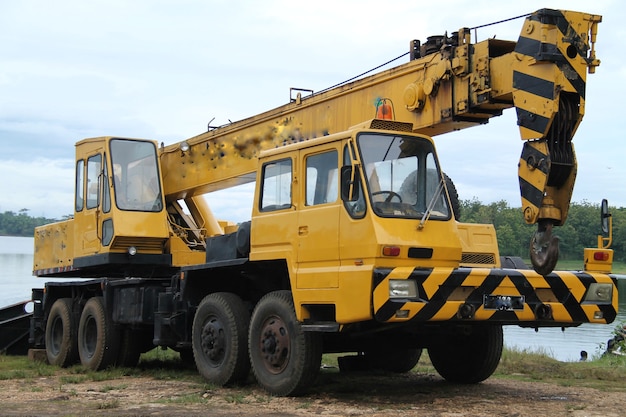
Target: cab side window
(106, 194)
(355, 207)
(276, 186)
(94, 164)
(80, 186)
(321, 178)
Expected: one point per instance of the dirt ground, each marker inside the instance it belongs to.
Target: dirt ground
(334, 394)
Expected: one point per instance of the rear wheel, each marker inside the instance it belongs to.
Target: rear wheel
(468, 356)
(394, 360)
(98, 340)
(61, 346)
(219, 339)
(132, 345)
(186, 357)
(285, 359)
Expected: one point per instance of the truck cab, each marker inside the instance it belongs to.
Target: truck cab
(342, 208)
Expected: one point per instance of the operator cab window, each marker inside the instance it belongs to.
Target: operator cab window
(136, 175)
(276, 186)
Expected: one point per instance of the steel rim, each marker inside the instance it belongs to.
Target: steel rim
(213, 341)
(275, 345)
(56, 336)
(91, 337)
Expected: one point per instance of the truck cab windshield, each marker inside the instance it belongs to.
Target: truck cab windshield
(136, 176)
(403, 178)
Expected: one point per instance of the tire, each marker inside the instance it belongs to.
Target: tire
(98, 339)
(131, 348)
(186, 357)
(398, 361)
(284, 358)
(454, 197)
(468, 358)
(61, 331)
(219, 339)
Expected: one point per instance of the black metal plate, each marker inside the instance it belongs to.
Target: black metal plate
(503, 302)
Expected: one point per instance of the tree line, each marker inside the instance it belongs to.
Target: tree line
(21, 224)
(580, 230)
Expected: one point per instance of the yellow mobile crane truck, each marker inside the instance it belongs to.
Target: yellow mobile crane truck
(353, 244)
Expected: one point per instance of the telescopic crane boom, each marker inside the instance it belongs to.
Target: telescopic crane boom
(449, 84)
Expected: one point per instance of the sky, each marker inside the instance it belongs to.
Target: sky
(162, 70)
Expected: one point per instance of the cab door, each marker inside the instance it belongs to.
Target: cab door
(318, 219)
(274, 220)
(88, 202)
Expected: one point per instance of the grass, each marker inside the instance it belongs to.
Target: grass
(185, 399)
(19, 367)
(157, 364)
(109, 387)
(577, 264)
(602, 372)
(107, 405)
(619, 267)
(236, 398)
(606, 372)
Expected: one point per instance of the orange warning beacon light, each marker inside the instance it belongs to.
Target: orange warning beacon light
(384, 109)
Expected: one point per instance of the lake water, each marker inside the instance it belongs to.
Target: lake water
(16, 282)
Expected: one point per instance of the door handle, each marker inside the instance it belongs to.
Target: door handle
(303, 230)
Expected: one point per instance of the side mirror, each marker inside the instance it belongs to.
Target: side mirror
(604, 216)
(350, 183)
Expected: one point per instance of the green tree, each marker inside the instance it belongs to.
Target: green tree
(619, 233)
(21, 224)
(579, 231)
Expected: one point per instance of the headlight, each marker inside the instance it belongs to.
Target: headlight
(402, 288)
(599, 293)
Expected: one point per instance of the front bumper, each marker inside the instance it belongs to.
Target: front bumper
(504, 296)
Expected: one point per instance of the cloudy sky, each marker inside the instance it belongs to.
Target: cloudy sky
(159, 69)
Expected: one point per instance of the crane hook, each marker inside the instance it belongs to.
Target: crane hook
(544, 248)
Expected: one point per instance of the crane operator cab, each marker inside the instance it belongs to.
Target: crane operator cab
(119, 223)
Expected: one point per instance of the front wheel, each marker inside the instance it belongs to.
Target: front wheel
(469, 355)
(285, 359)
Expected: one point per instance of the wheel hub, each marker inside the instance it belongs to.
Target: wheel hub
(275, 345)
(213, 342)
(91, 337)
(56, 336)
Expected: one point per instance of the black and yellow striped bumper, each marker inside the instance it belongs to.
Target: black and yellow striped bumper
(506, 296)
